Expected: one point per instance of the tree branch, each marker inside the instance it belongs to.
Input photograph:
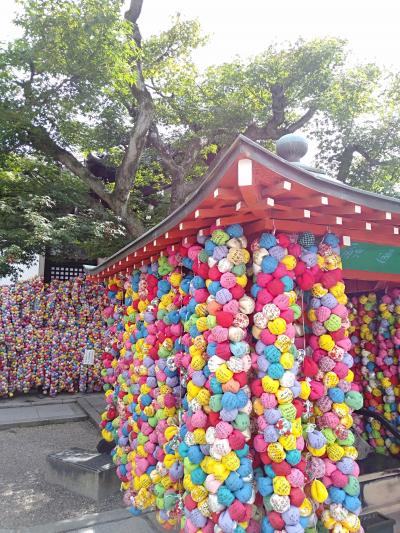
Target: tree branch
(41, 140)
(270, 129)
(302, 121)
(126, 172)
(346, 159)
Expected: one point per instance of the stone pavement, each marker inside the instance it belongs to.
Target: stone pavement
(32, 411)
(117, 521)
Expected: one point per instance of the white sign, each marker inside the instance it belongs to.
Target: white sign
(88, 357)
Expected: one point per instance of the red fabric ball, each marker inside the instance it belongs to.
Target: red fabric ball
(237, 511)
(280, 271)
(263, 279)
(237, 292)
(305, 281)
(328, 280)
(265, 458)
(223, 350)
(281, 469)
(317, 390)
(276, 287)
(264, 297)
(310, 367)
(300, 268)
(296, 496)
(213, 418)
(299, 407)
(183, 251)
(241, 378)
(288, 315)
(214, 274)
(256, 388)
(283, 240)
(224, 319)
(236, 440)
(201, 269)
(201, 295)
(276, 520)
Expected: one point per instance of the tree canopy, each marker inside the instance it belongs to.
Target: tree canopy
(120, 130)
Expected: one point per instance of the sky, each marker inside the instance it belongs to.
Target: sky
(247, 27)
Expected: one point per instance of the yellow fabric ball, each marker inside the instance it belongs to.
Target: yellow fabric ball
(289, 261)
(269, 384)
(287, 360)
(284, 395)
(335, 452)
(231, 461)
(223, 374)
(281, 486)
(330, 380)
(288, 442)
(326, 342)
(277, 326)
(318, 491)
(276, 452)
(317, 452)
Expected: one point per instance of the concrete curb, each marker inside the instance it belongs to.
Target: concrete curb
(86, 521)
(35, 401)
(91, 412)
(42, 422)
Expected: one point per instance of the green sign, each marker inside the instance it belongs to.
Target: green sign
(371, 258)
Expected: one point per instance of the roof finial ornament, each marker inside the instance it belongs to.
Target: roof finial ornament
(292, 147)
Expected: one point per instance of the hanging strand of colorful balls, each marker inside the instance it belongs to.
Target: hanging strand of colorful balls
(218, 471)
(363, 315)
(278, 395)
(337, 493)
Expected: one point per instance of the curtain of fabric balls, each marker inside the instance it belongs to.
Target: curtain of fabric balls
(229, 386)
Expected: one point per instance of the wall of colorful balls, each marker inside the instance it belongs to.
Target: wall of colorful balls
(229, 385)
(375, 334)
(44, 331)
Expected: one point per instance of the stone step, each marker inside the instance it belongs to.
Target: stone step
(37, 415)
(84, 472)
(380, 483)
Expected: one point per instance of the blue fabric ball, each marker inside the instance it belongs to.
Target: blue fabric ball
(293, 457)
(225, 496)
(234, 482)
(336, 395)
(267, 240)
(264, 485)
(336, 495)
(269, 264)
(234, 230)
(194, 454)
(244, 494)
(275, 370)
(272, 353)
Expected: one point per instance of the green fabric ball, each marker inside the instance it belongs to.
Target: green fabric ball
(267, 503)
(239, 270)
(189, 467)
(159, 490)
(242, 421)
(329, 435)
(203, 256)
(349, 441)
(288, 411)
(211, 321)
(142, 439)
(353, 486)
(216, 403)
(219, 237)
(296, 310)
(354, 399)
